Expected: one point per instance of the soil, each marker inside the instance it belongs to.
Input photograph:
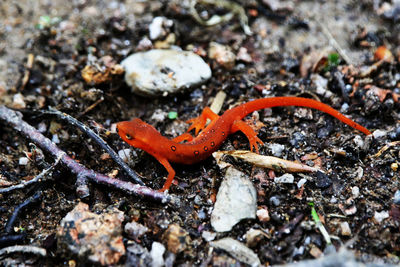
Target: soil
(352, 47)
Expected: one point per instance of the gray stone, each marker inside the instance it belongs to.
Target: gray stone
(160, 71)
(237, 250)
(236, 200)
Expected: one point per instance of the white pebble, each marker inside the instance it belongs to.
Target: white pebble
(321, 85)
(236, 200)
(159, 115)
(55, 139)
(277, 149)
(301, 182)
(355, 191)
(358, 141)
(23, 161)
(380, 216)
(157, 28)
(222, 54)
(125, 154)
(157, 251)
(396, 198)
(345, 229)
(379, 134)
(164, 71)
(208, 236)
(18, 101)
(263, 215)
(42, 127)
(287, 178)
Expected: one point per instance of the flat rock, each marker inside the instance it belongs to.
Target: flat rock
(238, 250)
(95, 236)
(236, 200)
(159, 71)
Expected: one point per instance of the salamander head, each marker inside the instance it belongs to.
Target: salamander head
(137, 133)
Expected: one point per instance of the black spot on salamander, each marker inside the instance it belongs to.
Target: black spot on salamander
(223, 133)
(212, 144)
(173, 148)
(196, 152)
(205, 148)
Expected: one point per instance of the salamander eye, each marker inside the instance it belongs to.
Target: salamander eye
(128, 136)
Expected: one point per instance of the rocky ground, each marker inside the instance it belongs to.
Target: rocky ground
(69, 56)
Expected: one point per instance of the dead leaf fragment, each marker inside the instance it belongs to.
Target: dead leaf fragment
(269, 162)
(93, 75)
(383, 53)
(177, 238)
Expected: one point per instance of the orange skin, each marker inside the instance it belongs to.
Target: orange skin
(144, 136)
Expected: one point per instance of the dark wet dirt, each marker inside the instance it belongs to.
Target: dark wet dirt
(293, 50)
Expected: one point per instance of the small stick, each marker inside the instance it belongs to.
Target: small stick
(97, 138)
(7, 240)
(92, 106)
(24, 249)
(11, 222)
(14, 120)
(27, 73)
(32, 181)
(386, 147)
(334, 43)
(7, 174)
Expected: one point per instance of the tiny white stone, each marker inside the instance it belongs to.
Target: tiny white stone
(237, 250)
(55, 139)
(379, 134)
(345, 229)
(321, 85)
(157, 251)
(125, 154)
(277, 149)
(157, 27)
(359, 141)
(263, 215)
(355, 191)
(23, 161)
(208, 236)
(159, 115)
(301, 182)
(42, 127)
(380, 216)
(18, 101)
(287, 178)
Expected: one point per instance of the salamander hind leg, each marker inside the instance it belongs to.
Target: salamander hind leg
(200, 122)
(240, 125)
(171, 174)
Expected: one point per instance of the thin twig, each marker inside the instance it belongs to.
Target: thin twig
(7, 174)
(8, 240)
(92, 106)
(27, 73)
(14, 120)
(334, 43)
(23, 249)
(98, 140)
(32, 181)
(11, 222)
(386, 147)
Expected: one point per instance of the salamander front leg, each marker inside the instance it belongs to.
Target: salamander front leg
(183, 137)
(171, 173)
(200, 122)
(240, 125)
